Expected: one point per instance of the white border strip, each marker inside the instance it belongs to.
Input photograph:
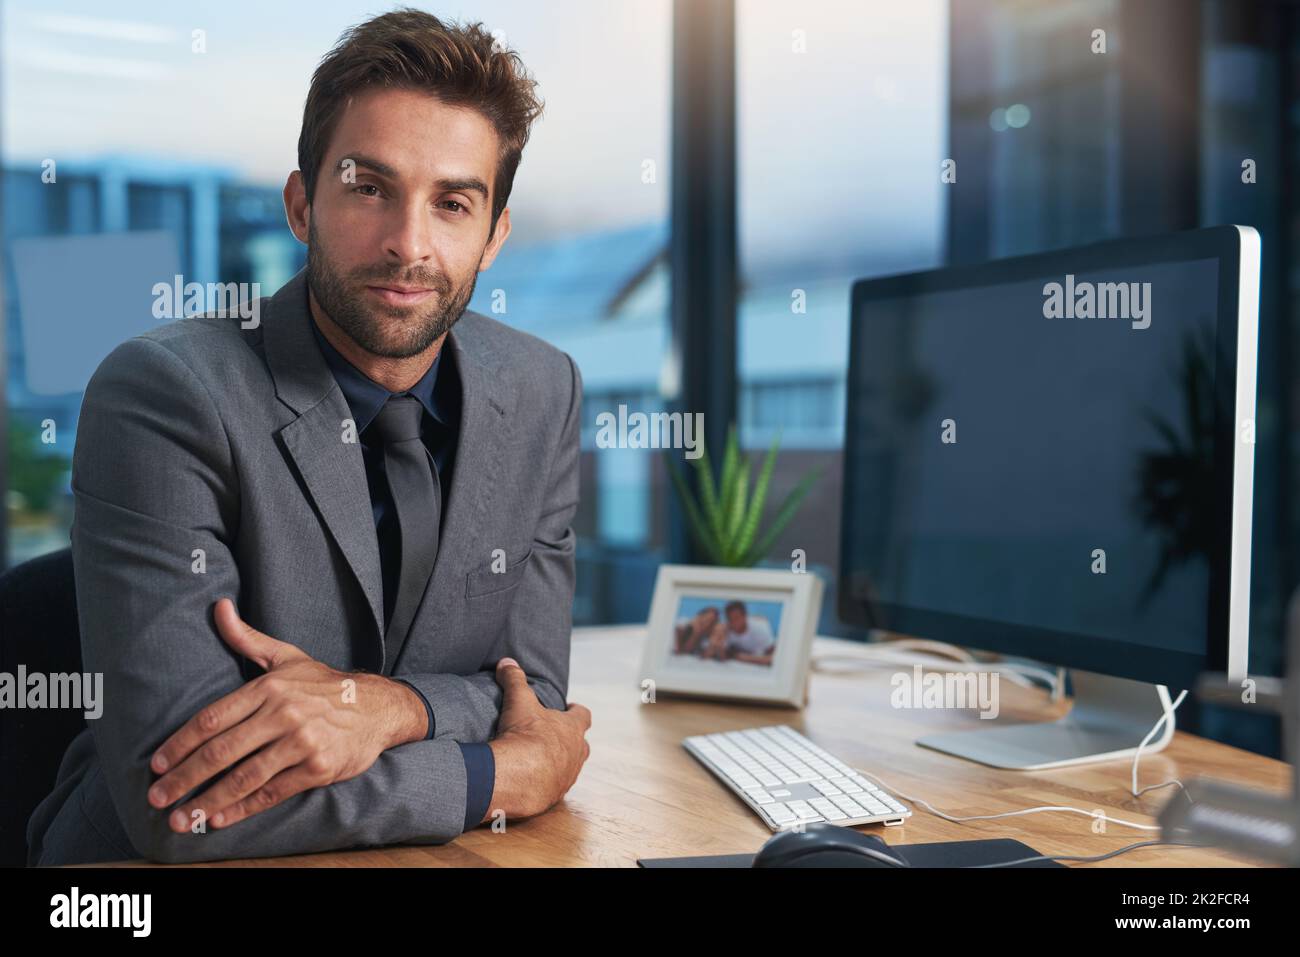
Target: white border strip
(1243, 452)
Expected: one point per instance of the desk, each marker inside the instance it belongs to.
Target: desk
(641, 795)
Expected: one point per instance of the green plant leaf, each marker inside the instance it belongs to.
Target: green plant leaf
(783, 516)
(737, 514)
(749, 528)
(698, 527)
(708, 492)
(726, 483)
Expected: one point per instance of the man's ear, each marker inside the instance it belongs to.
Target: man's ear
(498, 240)
(296, 208)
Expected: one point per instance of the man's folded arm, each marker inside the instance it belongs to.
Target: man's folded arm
(466, 707)
(154, 481)
(539, 627)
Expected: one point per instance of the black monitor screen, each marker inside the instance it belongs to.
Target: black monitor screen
(1031, 465)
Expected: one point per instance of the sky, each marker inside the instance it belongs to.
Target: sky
(841, 106)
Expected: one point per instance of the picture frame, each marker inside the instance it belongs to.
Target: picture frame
(700, 644)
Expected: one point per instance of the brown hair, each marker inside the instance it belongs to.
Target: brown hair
(410, 49)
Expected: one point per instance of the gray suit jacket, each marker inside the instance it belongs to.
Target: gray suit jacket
(203, 435)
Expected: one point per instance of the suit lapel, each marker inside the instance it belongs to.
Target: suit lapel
(333, 470)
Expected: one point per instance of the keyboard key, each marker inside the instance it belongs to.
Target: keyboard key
(804, 810)
(827, 810)
(780, 814)
(849, 806)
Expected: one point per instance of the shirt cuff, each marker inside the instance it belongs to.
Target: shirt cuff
(480, 780)
(428, 710)
(480, 769)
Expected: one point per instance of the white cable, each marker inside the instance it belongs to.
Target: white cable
(1090, 860)
(940, 648)
(1017, 673)
(990, 817)
(884, 651)
(1166, 716)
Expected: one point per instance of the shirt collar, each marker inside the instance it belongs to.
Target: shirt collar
(366, 397)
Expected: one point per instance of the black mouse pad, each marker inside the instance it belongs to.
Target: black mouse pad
(945, 854)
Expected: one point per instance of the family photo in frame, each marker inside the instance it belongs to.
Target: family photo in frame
(732, 633)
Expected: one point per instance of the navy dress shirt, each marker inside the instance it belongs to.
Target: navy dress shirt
(440, 396)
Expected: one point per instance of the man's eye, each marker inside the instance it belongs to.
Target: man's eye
(459, 207)
(367, 186)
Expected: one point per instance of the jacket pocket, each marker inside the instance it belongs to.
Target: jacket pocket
(487, 581)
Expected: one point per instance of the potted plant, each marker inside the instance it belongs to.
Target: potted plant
(724, 521)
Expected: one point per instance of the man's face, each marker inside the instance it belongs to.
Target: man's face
(397, 230)
(737, 620)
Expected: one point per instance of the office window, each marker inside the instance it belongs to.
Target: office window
(584, 267)
(841, 132)
(812, 409)
(1036, 120)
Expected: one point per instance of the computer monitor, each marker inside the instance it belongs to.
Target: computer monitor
(1052, 457)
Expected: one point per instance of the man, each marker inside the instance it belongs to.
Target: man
(326, 564)
(748, 639)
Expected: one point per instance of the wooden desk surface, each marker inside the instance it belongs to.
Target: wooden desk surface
(641, 795)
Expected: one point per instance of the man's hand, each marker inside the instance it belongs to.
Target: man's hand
(538, 750)
(308, 725)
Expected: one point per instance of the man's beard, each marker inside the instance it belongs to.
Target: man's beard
(389, 331)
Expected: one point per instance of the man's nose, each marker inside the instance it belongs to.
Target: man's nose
(410, 234)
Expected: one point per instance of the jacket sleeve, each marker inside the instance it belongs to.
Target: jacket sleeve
(155, 482)
(538, 630)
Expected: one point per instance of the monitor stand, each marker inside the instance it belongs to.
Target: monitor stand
(1109, 719)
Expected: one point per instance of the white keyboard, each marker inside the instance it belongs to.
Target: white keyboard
(787, 779)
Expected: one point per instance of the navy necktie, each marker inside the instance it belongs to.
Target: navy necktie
(417, 500)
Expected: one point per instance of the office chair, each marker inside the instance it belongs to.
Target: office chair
(38, 629)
